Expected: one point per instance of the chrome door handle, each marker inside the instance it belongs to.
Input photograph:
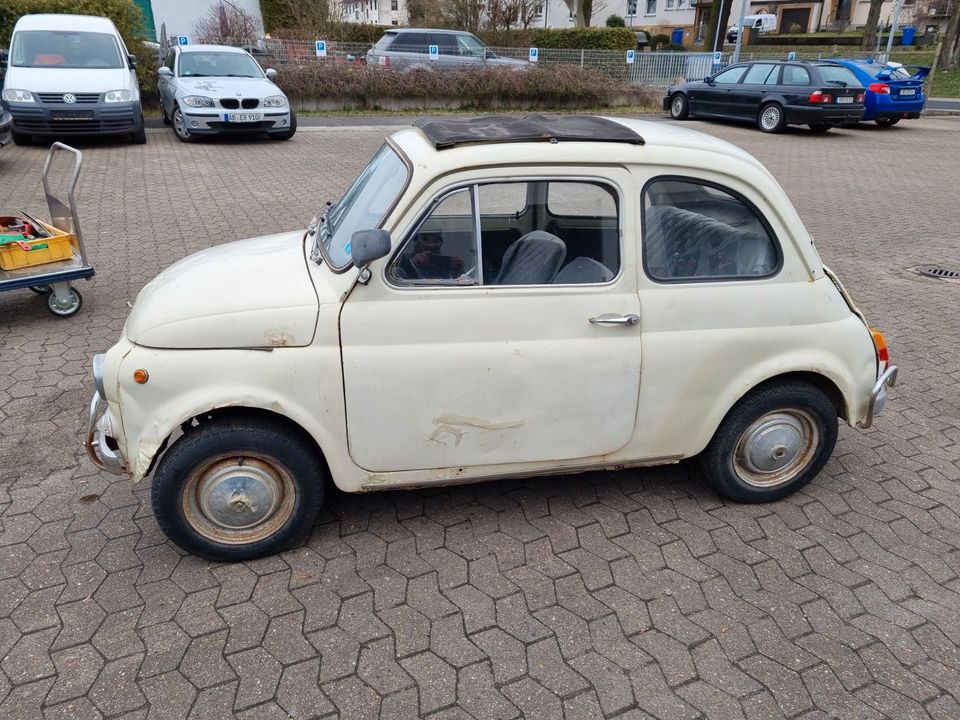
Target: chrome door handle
(610, 319)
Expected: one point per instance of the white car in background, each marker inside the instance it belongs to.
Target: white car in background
(220, 90)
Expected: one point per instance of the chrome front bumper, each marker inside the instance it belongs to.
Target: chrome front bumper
(878, 395)
(98, 449)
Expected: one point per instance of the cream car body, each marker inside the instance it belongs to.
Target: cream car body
(413, 385)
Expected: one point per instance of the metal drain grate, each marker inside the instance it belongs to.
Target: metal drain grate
(938, 272)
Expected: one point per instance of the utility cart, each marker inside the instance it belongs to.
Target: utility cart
(47, 257)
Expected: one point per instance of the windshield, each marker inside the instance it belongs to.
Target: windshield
(363, 205)
(836, 75)
(65, 49)
(218, 64)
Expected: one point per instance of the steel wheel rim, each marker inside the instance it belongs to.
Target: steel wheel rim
(60, 307)
(677, 106)
(770, 118)
(776, 448)
(239, 499)
(179, 126)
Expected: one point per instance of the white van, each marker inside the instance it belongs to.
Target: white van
(762, 23)
(71, 75)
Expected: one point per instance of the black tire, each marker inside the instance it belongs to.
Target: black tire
(67, 309)
(139, 136)
(21, 139)
(795, 421)
(679, 107)
(225, 451)
(771, 118)
(290, 132)
(886, 121)
(819, 128)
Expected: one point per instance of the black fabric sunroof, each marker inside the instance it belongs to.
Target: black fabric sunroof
(447, 133)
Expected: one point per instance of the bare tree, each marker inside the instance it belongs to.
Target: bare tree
(950, 49)
(719, 16)
(873, 23)
(225, 21)
(313, 17)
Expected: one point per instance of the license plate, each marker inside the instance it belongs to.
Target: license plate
(844, 99)
(908, 91)
(71, 115)
(242, 117)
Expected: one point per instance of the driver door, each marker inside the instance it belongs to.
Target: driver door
(478, 349)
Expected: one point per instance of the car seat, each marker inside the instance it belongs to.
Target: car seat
(583, 271)
(534, 259)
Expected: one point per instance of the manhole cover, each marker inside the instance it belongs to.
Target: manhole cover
(938, 272)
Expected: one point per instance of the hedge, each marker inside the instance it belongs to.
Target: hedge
(340, 32)
(558, 86)
(124, 13)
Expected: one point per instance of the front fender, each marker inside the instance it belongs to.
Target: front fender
(183, 384)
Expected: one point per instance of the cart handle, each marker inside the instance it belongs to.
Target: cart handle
(71, 202)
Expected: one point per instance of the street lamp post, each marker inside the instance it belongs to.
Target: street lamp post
(717, 35)
(736, 50)
(893, 28)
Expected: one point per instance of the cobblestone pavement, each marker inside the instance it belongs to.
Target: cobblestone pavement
(633, 594)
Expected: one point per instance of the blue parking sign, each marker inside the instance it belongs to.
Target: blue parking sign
(534, 54)
(791, 56)
(321, 47)
(717, 58)
(183, 40)
(631, 56)
(434, 52)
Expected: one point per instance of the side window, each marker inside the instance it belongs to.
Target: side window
(795, 75)
(774, 77)
(695, 231)
(443, 249)
(445, 43)
(729, 77)
(758, 73)
(539, 232)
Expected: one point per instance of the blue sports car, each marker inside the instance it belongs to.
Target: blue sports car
(894, 91)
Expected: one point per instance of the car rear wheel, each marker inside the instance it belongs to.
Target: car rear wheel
(239, 487)
(819, 127)
(886, 121)
(180, 127)
(772, 443)
(771, 118)
(679, 108)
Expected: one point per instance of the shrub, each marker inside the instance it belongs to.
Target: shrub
(488, 88)
(615, 21)
(675, 47)
(337, 32)
(659, 40)
(586, 38)
(124, 13)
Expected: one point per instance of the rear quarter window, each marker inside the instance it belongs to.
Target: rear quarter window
(834, 75)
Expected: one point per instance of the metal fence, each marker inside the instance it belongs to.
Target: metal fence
(654, 69)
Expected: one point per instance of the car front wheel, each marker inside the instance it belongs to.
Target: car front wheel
(679, 107)
(771, 118)
(289, 132)
(180, 127)
(772, 443)
(238, 487)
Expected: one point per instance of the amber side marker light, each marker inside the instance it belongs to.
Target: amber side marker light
(880, 343)
(141, 376)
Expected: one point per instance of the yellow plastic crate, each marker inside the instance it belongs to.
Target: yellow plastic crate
(59, 246)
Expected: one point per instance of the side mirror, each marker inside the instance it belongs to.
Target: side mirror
(132, 61)
(369, 245)
(164, 71)
(270, 73)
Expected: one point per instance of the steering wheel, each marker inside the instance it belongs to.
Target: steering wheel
(410, 267)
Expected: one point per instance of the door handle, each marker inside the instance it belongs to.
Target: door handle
(610, 319)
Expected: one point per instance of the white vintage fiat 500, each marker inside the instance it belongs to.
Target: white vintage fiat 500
(499, 297)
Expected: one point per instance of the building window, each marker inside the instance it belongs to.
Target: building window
(669, 4)
(651, 7)
(394, 5)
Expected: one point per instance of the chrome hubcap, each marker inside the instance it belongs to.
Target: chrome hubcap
(239, 499)
(770, 118)
(64, 306)
(776, 448)
(677, 105)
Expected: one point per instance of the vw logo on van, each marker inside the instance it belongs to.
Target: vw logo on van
(69, 98)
